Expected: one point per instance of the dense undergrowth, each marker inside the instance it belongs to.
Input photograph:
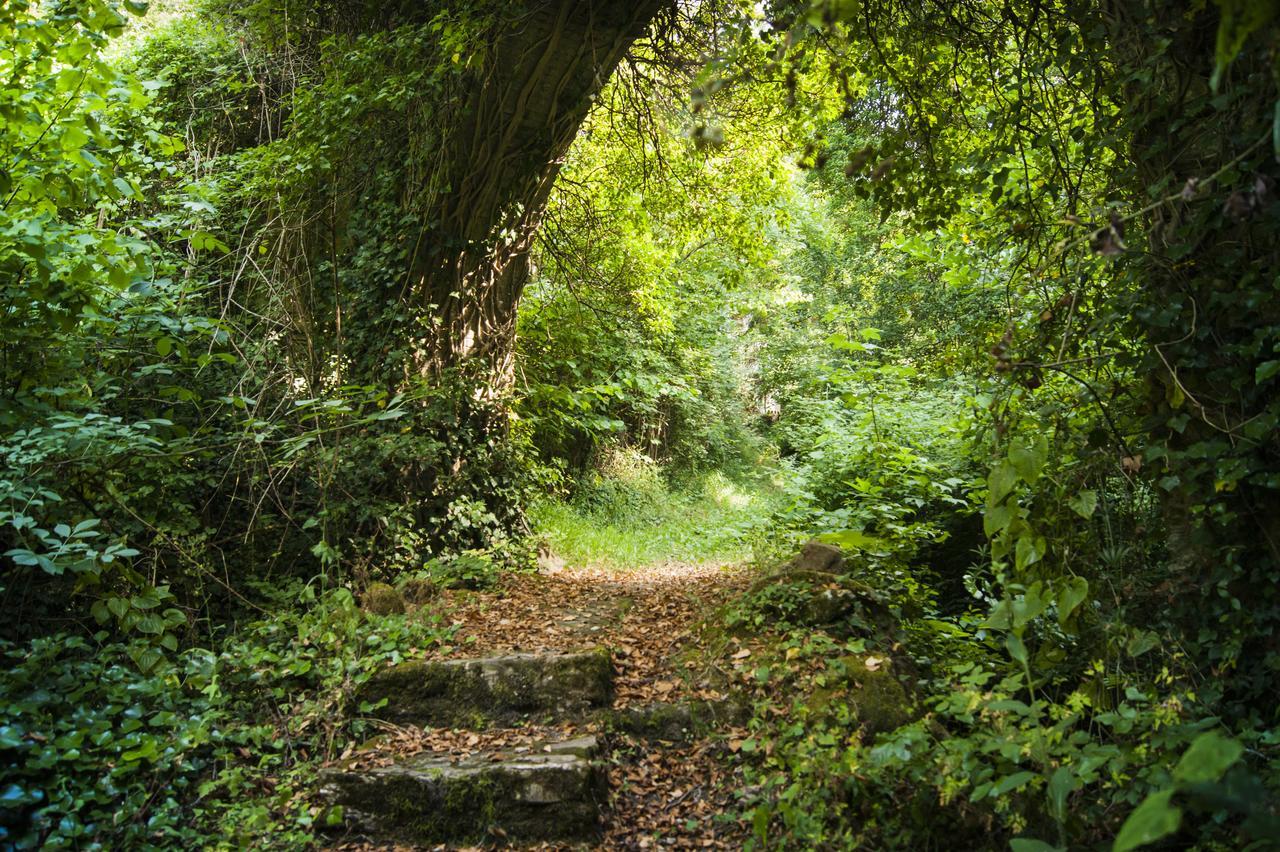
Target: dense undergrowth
(984, 293)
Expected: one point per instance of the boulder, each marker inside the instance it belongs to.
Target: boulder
(486, 690)
(382, 599)
(818, 556)
(868, 685)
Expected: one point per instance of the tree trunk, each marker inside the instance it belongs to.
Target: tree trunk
(471, 263)
(1204, 312)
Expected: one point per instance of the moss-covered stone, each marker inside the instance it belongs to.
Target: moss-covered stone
(680, 722)
(382, 599)
(418, 590)
(553, 794)
(503, 688)
(870, 686)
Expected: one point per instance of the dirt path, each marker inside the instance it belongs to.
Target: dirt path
(663, 794)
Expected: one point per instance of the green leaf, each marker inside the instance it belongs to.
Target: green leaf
(1029, 551)
(1275, 132)
(1084, 504)
(1153, 819)
(852, 540)
(1061, 785)
(1017, 650)
(1239, 20)
(1028, 844)
(1028, 458)
(1001, 481)
(1267, 369)
(1207, 758)
(1070, 596)
(997, 518)
(1009, 783)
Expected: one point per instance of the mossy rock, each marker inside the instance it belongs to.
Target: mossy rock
(551, 794)
(418, 590)
(679, 722)
(448, 693)
(879, 700)
(382, 599)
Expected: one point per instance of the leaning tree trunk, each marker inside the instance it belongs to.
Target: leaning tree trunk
(499, 162)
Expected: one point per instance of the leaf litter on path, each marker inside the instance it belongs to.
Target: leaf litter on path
(662, 795)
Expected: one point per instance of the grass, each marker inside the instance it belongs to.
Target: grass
(625, 521)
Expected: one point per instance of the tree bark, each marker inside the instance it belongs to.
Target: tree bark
(470, 264)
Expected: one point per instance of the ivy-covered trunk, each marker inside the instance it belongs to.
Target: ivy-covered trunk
(1208, 311)
(514, 125)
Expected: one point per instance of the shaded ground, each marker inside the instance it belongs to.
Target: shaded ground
(662, 794)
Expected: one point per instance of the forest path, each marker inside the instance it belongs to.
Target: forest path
(670, 726)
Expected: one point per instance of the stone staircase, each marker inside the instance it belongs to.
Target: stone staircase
(550, 790)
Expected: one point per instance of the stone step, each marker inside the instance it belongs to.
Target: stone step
(679, 722)
(484, 691)
(551, 793)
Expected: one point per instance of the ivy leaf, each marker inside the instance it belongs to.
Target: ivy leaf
(1028, 458)
(1001, 481)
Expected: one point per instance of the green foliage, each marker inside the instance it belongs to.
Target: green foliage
(221, 742)
(615, 523)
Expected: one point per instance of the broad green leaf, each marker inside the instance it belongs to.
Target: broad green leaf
(1153, 819)
(852, 540)
(1275, 131)
(1239, 19)
(1009, 783)
(1000, 482)
(1061, 785)
(1028, 457)
(1207, 758)
(1029, 550)
(1017, 650)
(1073, 593)
(1028, 844)
(1084, 504)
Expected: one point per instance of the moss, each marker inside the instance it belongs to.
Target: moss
(497, 688)
(881, 701)
(382, 599)
(418, 590)
(442, 802)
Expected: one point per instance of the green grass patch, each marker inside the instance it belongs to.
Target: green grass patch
(713, 520)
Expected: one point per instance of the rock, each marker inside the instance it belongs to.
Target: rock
(445, 693)
(418, 590)
(849, 609)
(551, 794)
(869, 685)
(818, 556)
(381, 599)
